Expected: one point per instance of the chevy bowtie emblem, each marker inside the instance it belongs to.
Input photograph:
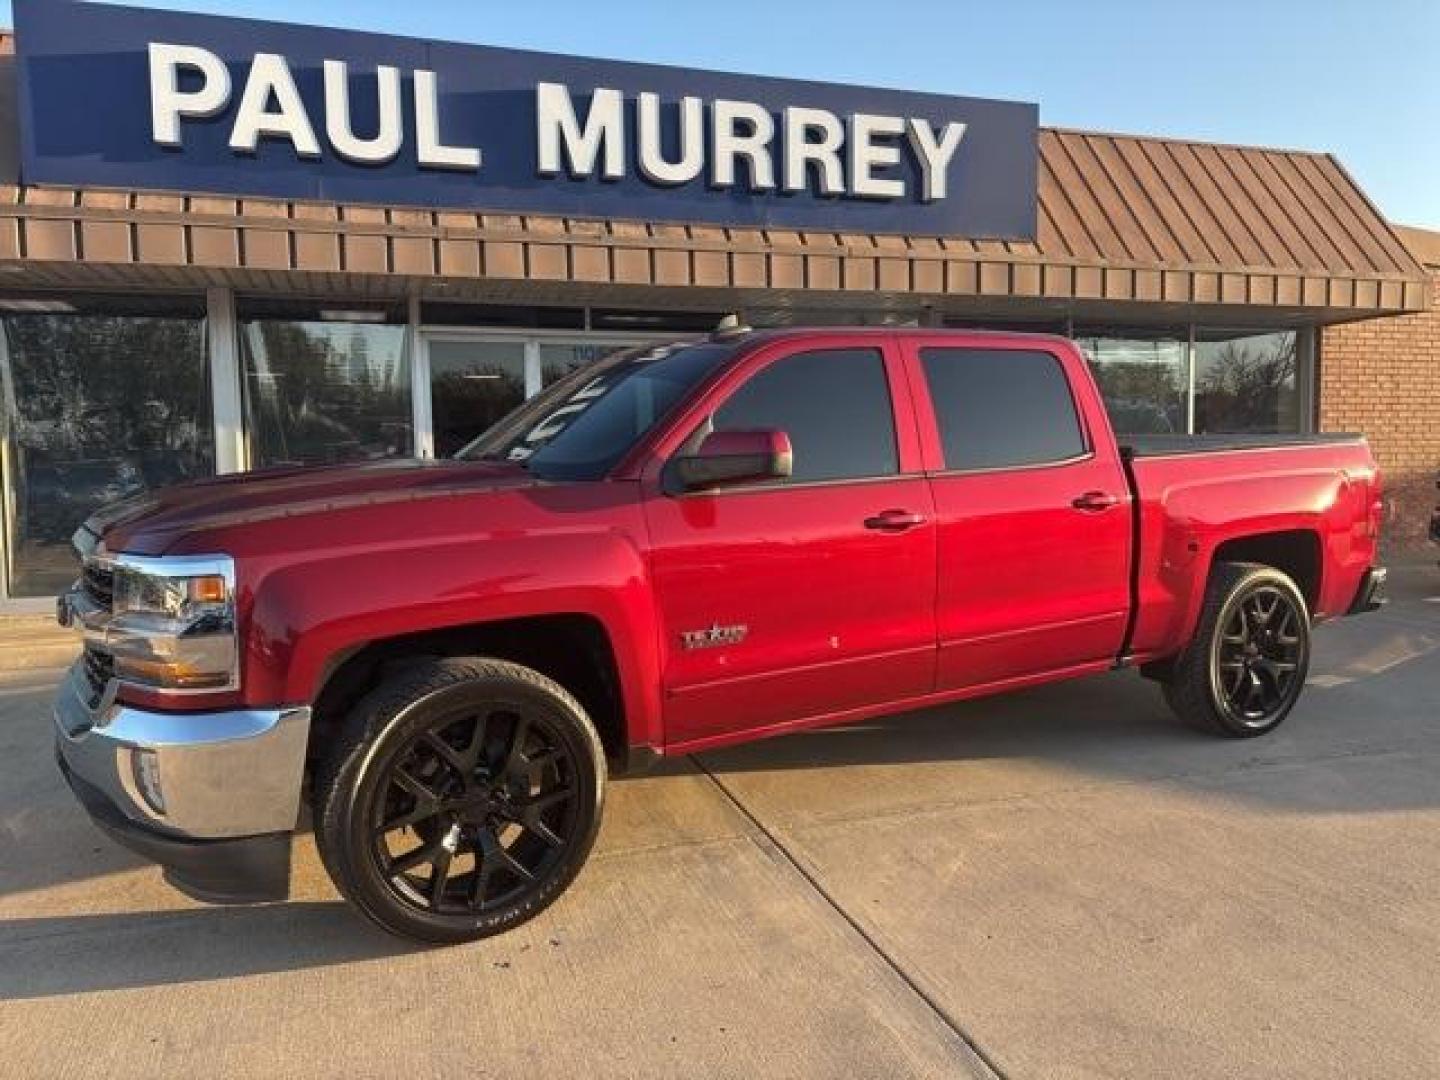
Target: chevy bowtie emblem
(715, 636)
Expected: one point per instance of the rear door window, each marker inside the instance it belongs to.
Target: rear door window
(1002, 408)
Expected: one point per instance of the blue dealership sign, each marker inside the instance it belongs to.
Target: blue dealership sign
(130, 98)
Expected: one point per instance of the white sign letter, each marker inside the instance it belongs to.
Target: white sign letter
(934, 155)
(385, 146)
(653, 165)
(270, 75)
(431, 152)
(823, 152)
(168, 103)
(753, 144)
(558, 130)
(866, 156)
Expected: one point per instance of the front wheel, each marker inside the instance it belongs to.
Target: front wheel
(1244, 670)
(461, 799)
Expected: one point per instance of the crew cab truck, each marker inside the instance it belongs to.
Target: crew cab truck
(676, 548)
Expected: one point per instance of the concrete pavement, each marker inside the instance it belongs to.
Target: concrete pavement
(1060, 883)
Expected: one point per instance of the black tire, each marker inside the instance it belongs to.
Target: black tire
(458, 753)
(1241, 674)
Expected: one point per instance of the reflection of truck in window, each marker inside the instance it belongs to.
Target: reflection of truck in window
(676, 548)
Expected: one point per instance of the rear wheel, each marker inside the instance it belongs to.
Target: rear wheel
(1245, 668)
(461, 800)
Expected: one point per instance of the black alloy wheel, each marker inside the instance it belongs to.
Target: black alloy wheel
(1245, 668)
(462, 798)
(477, 807)
(1258, 655)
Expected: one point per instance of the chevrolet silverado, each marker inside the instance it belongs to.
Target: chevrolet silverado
(674, 549)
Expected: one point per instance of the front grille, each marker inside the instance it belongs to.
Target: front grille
(98, 581)
(99, 668)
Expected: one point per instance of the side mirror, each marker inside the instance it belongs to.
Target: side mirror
(735, 457)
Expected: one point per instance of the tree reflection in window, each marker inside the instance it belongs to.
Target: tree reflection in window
(1246, 382)
(472, 385)
(318, 392)
(1142, 374)
(98, 407)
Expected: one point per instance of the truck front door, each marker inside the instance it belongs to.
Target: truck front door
(811, 596)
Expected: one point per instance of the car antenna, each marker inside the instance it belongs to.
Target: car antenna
(728, 327)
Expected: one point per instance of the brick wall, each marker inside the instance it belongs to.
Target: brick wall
(1382, 378)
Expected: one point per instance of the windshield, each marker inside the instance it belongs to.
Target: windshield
(580, 428)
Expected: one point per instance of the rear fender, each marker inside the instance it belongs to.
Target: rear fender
(1183, 531)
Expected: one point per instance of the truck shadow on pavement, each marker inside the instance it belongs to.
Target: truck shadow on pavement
(1374, 689)
(47, 957)
(1373, 692)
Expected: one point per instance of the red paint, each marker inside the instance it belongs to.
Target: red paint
(961, 584)
(1023, 572)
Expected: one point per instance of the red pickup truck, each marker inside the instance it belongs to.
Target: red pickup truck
(677, 548)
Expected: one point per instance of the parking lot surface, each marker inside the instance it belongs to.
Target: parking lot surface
(1059, 883)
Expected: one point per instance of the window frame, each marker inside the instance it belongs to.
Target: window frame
(927, 412)
(652, 464)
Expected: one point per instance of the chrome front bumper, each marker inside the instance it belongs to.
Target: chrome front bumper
(220, 774)
(212, 797)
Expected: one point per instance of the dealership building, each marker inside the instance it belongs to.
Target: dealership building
(208, 265)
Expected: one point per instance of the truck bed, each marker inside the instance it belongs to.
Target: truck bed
(1194, 494)
(1144, 446)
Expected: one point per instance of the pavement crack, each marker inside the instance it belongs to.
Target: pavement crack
(674, 845)
(763, 834)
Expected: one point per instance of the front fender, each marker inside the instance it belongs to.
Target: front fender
(306, 613)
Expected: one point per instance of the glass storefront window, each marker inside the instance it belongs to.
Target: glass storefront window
(557, 361)
(318, 391)
(472, 385)
(1246, 381)
(1143, 376)
(1016, 326)
(475, 378)
(103, 399)
(762, 318)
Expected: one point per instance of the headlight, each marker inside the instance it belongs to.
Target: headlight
(173, 622)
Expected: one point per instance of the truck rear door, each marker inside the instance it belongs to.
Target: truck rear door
(1032, 508)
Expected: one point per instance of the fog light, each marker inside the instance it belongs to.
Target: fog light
(145, 766)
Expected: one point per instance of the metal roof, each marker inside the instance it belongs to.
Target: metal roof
(1123, 198)
(1424, 244)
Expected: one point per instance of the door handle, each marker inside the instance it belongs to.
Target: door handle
(894, 520)
(1094, 501)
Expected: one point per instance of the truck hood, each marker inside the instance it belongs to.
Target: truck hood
(153, 522)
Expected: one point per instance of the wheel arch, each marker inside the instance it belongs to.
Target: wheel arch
(535, 599)
(1295, 552)
(575, 649)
